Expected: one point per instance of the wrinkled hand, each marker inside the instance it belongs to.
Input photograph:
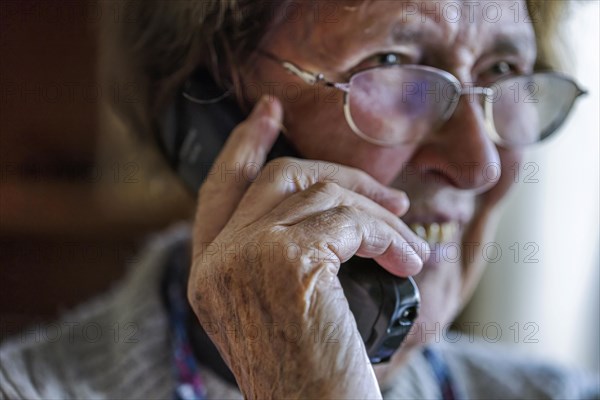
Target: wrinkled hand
(266, 252)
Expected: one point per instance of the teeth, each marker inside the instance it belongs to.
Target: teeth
(435, 233)
(419, 230)
(449, 231)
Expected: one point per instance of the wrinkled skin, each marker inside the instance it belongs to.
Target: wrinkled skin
(266, 250)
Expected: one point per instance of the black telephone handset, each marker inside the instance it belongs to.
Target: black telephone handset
(194, 131)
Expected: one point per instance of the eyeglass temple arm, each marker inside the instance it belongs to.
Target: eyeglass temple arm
(309, 77)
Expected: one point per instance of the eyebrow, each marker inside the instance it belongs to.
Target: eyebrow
(505, 43)
(512, 45)
(403, 33)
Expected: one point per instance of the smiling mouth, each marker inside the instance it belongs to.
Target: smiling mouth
(436, 233)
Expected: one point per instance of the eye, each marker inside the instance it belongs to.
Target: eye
(502, 68)
(499, 70)
(382, 59)
(389, 58)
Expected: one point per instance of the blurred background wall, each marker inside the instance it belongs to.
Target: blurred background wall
(69, 225)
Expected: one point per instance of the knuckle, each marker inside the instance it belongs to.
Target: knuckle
(326, 188)
(345, 211)
(379, 243)
(264, 123)
(282, 162)
(277, 167)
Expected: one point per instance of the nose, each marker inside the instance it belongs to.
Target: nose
(462, 151)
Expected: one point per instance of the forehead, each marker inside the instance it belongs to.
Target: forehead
(336, 29)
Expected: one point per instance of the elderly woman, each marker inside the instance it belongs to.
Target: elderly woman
(405, 115)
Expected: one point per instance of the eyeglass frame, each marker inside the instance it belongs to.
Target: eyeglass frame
(313, 78)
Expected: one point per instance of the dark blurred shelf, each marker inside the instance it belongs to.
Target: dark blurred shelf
(63, 238)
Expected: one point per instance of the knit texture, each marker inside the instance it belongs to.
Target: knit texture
(118, 346)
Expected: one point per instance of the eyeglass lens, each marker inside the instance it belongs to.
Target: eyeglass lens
(401, 104)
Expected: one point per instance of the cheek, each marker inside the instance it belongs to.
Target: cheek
(315, 124)
(510, 162)
(484, 223)
(317, 127)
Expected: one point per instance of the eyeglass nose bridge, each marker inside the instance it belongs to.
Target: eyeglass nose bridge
(487, 97)
(471, 91)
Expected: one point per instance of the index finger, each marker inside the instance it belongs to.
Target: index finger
(247, 145)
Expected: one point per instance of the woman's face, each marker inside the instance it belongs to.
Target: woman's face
(452, 176)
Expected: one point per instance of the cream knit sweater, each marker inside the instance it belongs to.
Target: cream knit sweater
(118, 346)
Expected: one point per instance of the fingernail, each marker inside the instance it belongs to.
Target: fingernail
(404, 200)
(401, 200)
(414, 255)
(414, 262)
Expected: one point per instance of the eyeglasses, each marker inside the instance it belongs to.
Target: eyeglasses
(399, 104)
